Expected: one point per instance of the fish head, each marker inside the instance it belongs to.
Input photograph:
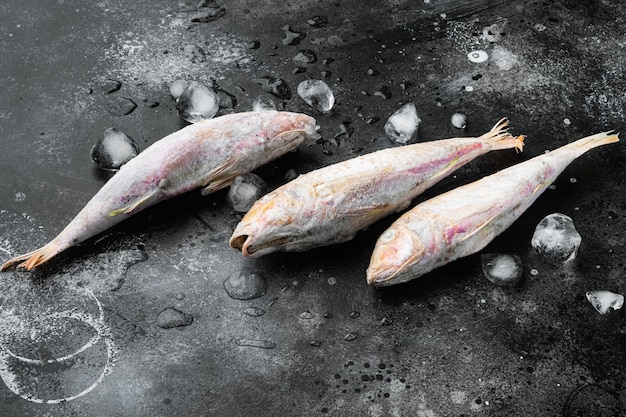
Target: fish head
(268, 226)
(397, 256)
(287, 130)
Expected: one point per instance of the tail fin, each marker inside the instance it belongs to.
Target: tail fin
(501, 138)
(593, 141)
(32, 259)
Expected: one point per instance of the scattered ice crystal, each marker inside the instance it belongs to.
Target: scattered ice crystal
(244, 285)
(197, 102)
(177, 87)
(318, 21)
(244, 191)
(317, 94)
(402, 125)
(478, 56)
(502, 269)
(556, 238)
(605, 301)
(263, 103)
(114, 149)
(459, 120)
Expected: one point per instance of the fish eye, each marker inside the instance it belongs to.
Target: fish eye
(388, 235)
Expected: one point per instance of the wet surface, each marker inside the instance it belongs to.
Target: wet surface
(137, 321)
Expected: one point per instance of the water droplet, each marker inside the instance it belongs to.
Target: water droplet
(257, 343)
(459, 120)
(317, 94)
(351, 336)
(208, 11)
(305, 57)
(318, 21)
(173, 317)
(263, 103)
(292, 37)
(478, 56)
(502, 269)
(197, 102)
(355, 314)
(180, 296)
(316, 343)
(114, 149)
(120, 106)
(275, 86)
(254, 312)
(244, 285)
(110, 86)
(245, 190)
(402, 125)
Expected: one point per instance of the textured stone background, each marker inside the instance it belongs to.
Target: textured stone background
(448, 344)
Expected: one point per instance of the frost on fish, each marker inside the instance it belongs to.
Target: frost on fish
(209, 154)
(463, 221)
(605, 301)
(556, 238)
(330, 205)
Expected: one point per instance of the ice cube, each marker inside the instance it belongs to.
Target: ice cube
(402, 125)
(244, 191)
(502, 269)
(263, 103)
(459, 120)
(114, 149)
(177, 87)
(197, 102)
(317, 95)
(605, 301)
(556, 238)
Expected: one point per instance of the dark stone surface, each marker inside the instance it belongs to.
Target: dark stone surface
(448, 344)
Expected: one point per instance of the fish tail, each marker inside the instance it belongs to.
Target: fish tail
(593, 141)
(500, 138)
(33, 259)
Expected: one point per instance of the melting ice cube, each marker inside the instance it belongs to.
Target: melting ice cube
(556, 238)
(177, 87)
(604, 301)
(244, 191)
(114, 149)
(317, 95)
(197, 102)
(402, 126)
(459, 120)
(502, 269)
(263, 103)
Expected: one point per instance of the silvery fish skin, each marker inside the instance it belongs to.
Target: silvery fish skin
(331, 204)
(208, 154)
(464, 220)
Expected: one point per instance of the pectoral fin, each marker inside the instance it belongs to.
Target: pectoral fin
(133, 207)
(218, 178)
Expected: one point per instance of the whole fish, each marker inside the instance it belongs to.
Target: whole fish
(208, 154)
(331, 204)
(464, 220)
